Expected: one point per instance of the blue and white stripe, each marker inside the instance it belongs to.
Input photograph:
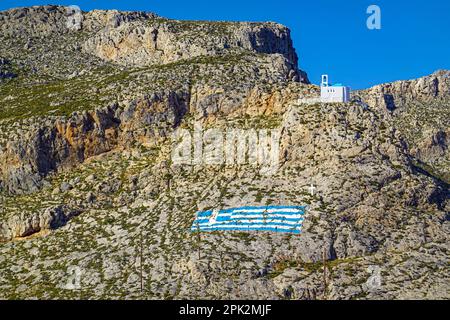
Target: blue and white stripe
(288, 219)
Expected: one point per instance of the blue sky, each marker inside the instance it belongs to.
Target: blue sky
(330, 36)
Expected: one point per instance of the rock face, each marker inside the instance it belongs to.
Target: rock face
(401, 93)
(47, 20)
(68, 142)
(434, 147)
(167, 41)
(420, 108)
(87, 177)
(24, 225)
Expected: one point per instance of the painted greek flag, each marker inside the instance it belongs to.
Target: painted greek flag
(269, 218)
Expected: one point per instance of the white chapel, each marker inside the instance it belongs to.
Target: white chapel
(333, 93)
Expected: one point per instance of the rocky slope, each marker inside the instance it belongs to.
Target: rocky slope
(420, 108)
(87, 179)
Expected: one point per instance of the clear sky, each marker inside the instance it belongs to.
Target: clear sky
(330, 36)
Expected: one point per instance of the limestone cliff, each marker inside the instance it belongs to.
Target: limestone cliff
(88, 108)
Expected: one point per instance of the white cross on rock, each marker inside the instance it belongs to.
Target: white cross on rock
(312, 189)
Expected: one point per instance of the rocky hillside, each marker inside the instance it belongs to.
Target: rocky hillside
(419, 108)
(88, 183)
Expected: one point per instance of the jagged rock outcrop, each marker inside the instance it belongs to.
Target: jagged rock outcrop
(142, 39)
(392, 96)
(68, 142)
(27, 224)
(434, 146)
(166, 41)
(419, 109)
(39, 21)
